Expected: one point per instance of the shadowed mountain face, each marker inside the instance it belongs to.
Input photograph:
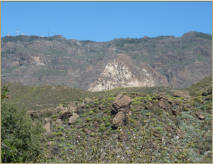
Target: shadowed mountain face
(96, 66)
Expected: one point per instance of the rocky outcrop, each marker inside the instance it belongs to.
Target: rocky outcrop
(62, 113)
(118, 74)
(68, 107)
(172, 105)
(121, 109)
(41, 113)
(69, 113)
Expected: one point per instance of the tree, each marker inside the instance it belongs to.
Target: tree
(20, 136)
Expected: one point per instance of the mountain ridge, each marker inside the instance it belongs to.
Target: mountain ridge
(88, 40)
(176, 62)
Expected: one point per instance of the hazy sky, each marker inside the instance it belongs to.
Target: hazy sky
(103, 21)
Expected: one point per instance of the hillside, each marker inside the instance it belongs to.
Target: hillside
(46, 96)
(176, 62)
(163, 124)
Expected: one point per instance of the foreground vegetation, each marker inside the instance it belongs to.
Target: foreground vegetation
(165, 126)
(20, 136)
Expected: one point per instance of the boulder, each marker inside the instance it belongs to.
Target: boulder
(200, 116)
(162, 104)
(118, 120)
(121, 109)
(121, 101)
(73, 118)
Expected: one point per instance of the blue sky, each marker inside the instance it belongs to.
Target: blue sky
(103, 21)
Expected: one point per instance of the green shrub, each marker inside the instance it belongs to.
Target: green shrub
(88, 119)
(20, 139)
(54, 117)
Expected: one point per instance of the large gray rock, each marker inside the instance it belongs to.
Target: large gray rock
(121, 101)
(118, 120)
(121, 109)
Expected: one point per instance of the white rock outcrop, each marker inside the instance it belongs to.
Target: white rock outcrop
(117, 74)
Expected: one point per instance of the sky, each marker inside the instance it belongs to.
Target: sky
(104, 21)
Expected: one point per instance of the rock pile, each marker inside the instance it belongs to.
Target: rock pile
(69, 112)
(62, 112)
(121, 108)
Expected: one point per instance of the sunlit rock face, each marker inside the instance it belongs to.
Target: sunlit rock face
(37, 60)
(117, 74)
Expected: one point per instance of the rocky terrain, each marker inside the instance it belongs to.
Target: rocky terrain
(175, 62)
(125, 100)
(138, 124)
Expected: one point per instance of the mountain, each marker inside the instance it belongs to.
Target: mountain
(168, 61)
